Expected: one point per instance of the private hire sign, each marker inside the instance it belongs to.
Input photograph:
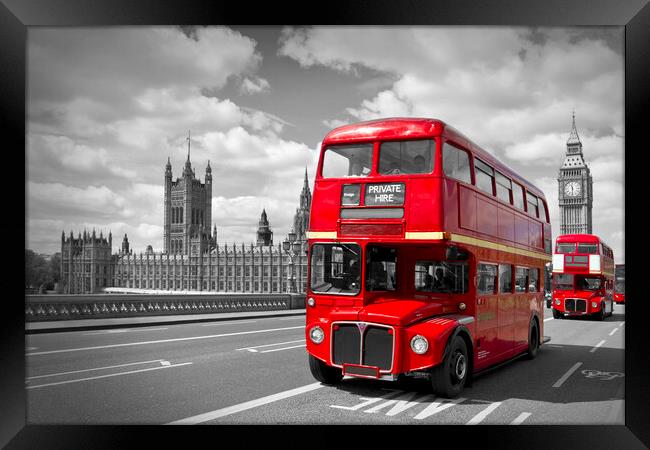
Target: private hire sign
(385, 194)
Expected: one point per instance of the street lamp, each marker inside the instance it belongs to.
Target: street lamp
(292, 246)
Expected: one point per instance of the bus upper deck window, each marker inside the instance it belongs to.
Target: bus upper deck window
(347, 161)
(406, 157)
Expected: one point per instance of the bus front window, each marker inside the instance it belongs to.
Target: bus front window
(335, 269)
(381, 269)
(563, 281)
(347, 161)
(588, 283)
(406, 157)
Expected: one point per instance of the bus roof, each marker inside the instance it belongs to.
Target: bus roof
(582, 238)
(418, 128)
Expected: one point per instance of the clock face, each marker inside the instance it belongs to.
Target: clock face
(572, 189)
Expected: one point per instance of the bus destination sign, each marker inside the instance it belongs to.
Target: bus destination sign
(385, 194)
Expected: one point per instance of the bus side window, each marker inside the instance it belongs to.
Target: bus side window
(455, 163)
(533, 276)
(520, 279)
(505, 278)
(484, 176)
(518, 196)
(487, 276)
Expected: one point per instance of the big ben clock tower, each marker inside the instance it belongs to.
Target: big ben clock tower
(575, 188)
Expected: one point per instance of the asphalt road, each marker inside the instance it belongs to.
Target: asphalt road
(255, 371)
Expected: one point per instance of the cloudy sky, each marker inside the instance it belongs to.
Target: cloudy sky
(107, 106)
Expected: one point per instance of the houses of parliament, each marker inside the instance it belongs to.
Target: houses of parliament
(191, 259)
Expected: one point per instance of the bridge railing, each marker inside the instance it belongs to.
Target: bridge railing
(69, 307)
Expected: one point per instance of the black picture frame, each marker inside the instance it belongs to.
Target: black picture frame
(17, 15)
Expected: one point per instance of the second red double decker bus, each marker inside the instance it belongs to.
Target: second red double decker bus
(583, 277)
(425, 256)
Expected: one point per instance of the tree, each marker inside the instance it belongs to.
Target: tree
(37, 271)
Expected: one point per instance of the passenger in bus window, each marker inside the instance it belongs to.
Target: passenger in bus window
(355, 168)
(419, 164)
(439, 281)
(428, 283)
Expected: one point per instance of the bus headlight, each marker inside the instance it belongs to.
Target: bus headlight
(311, 301)
(557, 301)
(419, 344)
(316, 335)
(594, 304)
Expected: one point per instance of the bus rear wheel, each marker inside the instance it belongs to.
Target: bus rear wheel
(533, 340)
(448, 378)
(324, 373)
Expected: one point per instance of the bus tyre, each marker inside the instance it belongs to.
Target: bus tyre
(601, 314)
(533, 340)
(556, 314)
(448, 378)
(324, 373)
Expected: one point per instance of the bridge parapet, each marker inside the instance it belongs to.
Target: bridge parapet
(68, 307)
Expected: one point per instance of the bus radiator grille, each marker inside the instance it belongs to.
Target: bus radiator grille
(377, 346)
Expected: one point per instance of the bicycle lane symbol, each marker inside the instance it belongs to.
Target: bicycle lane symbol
(605, 376)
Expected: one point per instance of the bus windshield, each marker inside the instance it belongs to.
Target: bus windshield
(381, 268)
(406, 157)
(620, 287)
(588, 283)
(563, 281)
(335, 269)
(347, 161)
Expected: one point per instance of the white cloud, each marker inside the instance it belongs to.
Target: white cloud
(254, 85)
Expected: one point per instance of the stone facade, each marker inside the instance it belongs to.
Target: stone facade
(192, 260)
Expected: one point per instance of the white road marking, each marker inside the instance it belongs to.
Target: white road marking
(227, 323)
(438, 406)
(108, 375)
(246, 405)
(596, 347)
(96, 368)
(613, 331)
(122, 330)
(564, 377)
(550, 318)
(401, 404)
(292, 318)
(520, 418)
(270, 345)
(160, 341)
(483, 414)
(366, 401)
(283, 348)
(29, 349)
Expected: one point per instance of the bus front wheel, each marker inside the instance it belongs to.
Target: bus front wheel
(448, 378)
(556, 314)
(324, 373)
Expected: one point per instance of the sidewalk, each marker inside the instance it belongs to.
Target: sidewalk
(54, 326)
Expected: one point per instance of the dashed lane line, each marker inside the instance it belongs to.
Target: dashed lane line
(169, 366)
(596, 346)
(564, 377)
(96, 368)
(216, 414)
(160, 341)
(254, 349)
(520, 418)
(283, 348)
(483, 414)
(611, 333)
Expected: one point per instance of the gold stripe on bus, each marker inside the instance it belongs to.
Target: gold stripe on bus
(321, 235)
(499, 247)
(436, 235)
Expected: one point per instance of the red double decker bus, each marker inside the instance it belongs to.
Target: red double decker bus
(425, 256)
(619, 288)
(583, 277)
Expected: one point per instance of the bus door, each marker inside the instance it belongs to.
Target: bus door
(507, 307)
(487, 324)
(522, 308)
